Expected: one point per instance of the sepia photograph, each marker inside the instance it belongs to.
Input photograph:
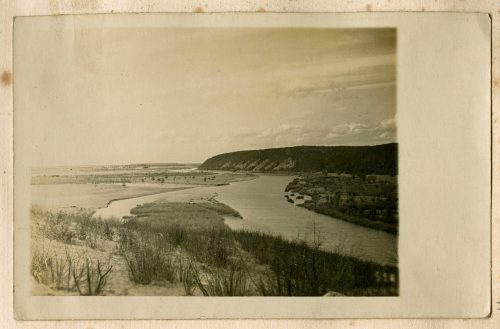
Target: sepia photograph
(215, 162)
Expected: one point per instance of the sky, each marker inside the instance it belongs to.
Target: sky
(137, 95)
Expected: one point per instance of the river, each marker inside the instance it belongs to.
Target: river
(263, 206)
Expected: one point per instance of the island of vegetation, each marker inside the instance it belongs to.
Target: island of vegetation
(357, 184)
(366, 200)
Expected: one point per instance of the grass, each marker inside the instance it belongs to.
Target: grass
(299, 269)
(295, 267)
(326, 209)
(187, 215)
(148, 257)
(70, 272)
(186, 271)
(232, 280)
(69, 227)
(53, 226)
(50, 270)
(188, 244)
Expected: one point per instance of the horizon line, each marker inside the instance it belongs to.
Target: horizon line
(194, 163)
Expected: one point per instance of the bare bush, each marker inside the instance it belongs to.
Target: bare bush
(90, 277)
(70, 272)
(49, 269)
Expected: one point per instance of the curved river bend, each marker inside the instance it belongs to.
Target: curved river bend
(264, 208)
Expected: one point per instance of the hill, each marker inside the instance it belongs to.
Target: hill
(378, 159)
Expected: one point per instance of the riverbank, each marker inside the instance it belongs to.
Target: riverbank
(186, 249)
(329, 211)
(365, 200)
(69, 197)
(156, 178)
(89, 191)
(260, 201)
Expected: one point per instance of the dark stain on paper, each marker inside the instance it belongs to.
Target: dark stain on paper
(6, 78)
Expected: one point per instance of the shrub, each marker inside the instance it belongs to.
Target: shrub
(70, 273)
(57, 227)
(230, 281)
(212, 246)
(92, 230)
(147, 256)
(65, 227)
(50, 270)
(90, 277)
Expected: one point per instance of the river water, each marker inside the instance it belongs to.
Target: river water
(263, 206)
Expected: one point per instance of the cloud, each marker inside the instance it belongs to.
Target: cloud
(355, 79)
(288, 134)
(347, 129)
(282, 129)
(388, 124)
(384, 131)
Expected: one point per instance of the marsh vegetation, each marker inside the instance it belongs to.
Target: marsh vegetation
(188, 248)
